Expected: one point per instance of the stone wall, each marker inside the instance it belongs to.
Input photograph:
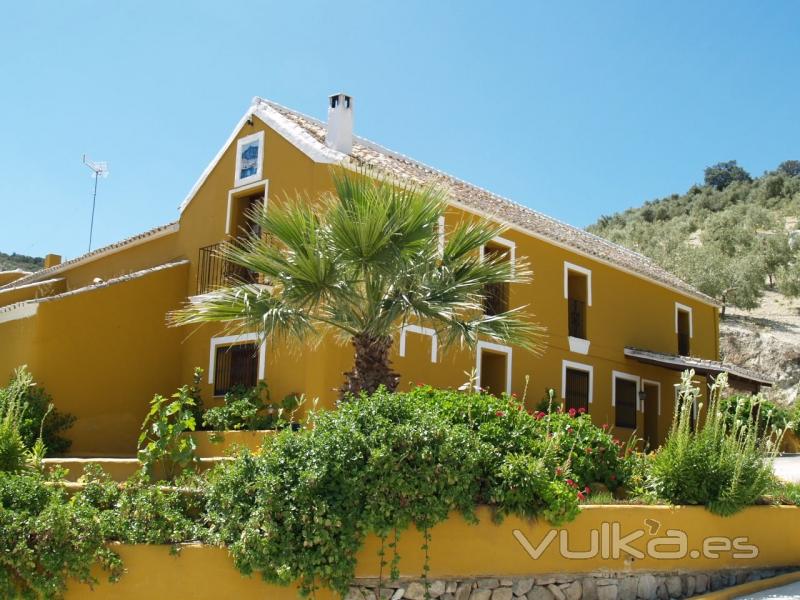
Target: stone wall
(585, 586)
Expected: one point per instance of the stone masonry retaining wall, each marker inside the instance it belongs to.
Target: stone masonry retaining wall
(586, 586)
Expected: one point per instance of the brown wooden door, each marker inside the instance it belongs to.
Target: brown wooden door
(651, 401)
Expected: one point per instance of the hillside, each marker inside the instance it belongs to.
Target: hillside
(9, 262)
(735, 238)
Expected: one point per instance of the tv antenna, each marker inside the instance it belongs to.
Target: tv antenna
(99, 169)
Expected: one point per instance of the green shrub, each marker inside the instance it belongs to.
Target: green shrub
(251, 409)
(301, 509)
(584, 453)
(769, 417)
(140, 513)
(12, 410)
(46, 539)
(38, 414)
(242, 408)
(723, 463)
(161, 442)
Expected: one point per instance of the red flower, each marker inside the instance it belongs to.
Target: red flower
(581, 410)
(587, 490)
(513, 394)
(581, 496)
(499, 413)
(588, 450)
(538, 415)
(572, 412)
(613, 477)
(559, 470)
(570, 430)
(570, 483)
(605, 425)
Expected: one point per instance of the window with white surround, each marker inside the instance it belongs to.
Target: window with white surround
(493, 367)
(578, 294)
(684, 328)
(417, 329)
(624, 398)
(249, 159)
(235, 360)
(497, 296)
(577, 385)
(241, 201)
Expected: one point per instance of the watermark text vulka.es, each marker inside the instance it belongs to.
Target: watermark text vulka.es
(610, 541)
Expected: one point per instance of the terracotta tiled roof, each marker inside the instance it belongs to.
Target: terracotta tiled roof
(110, 249)
(477, 199)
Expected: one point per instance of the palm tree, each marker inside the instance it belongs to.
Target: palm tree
(362, 262)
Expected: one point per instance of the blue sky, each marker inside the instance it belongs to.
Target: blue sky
(575, 109)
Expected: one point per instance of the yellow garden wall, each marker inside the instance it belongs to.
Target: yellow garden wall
(102, 354)
(460, 550)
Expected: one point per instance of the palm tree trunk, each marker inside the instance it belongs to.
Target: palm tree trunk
(372, 367)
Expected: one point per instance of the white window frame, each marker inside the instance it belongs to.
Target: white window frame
(688, 309)
(235, 193)
(232, 340)
(658, 385)
(422, 331)
(569, 364)
(441, 236)
(512, 250)
(499, 349)
(248, 139)
(568, 266)
(622, 375)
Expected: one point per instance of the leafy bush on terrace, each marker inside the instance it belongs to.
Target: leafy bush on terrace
(37, 413)
(46, 539)
(723, 464)
(386, 462)
(770, 418)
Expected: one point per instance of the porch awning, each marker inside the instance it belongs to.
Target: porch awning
(701, 366)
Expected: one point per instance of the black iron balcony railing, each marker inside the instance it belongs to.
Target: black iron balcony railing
(684, 348)
(495, 300)
(577, 318)
(213, 271)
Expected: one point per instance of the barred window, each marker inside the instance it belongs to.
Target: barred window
(576, 394)
(235, 365)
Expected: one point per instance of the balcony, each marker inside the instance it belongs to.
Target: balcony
(214, 272)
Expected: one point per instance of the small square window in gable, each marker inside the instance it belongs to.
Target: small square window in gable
(249, 159)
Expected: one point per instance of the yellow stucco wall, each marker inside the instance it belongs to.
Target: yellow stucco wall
(145, 357)
(460, 550)
(102, 354)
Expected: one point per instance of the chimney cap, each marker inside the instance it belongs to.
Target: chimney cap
(334, 99)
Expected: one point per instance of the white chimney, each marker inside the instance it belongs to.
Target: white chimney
(340, 123)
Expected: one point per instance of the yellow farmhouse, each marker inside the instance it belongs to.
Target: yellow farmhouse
(92, 329)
